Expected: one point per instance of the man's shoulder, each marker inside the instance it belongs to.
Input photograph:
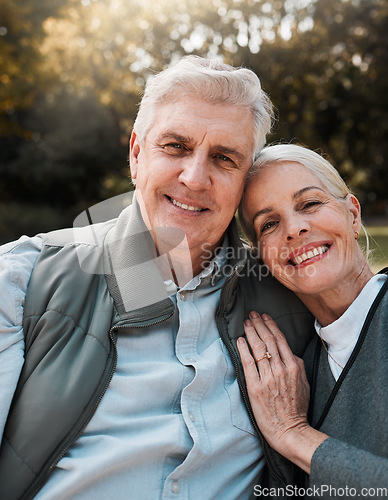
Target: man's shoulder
(92, 235)
(92, 225)
(25, 244)
(257, 290)
(258, 286)
(17, 259)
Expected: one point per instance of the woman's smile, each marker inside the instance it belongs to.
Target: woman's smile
(308, 254)
(305, 235)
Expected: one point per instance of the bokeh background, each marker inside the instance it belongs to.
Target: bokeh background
(72, 72)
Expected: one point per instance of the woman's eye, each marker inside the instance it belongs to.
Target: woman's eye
(267, 225)
(311, 204)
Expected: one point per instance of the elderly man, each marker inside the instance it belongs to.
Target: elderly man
(125, 389)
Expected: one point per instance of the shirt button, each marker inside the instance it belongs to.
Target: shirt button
(175, 487)
(182, 296)
(191, 360)
(191, 417)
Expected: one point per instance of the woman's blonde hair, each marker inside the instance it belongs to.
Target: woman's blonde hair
(311, 160)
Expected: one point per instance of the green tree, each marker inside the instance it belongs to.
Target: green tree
(72, 72)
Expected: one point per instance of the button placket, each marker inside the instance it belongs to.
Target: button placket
(175, 487)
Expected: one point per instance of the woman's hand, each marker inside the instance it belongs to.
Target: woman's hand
(278, 391)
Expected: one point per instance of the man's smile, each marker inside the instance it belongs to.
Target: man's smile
(185, 206)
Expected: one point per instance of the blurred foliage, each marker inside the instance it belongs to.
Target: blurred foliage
(71, 74)
(378, 247)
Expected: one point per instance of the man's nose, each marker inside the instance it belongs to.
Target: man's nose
(196, 174)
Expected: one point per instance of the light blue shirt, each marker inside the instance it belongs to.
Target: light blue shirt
(172, 424)
(16, 262)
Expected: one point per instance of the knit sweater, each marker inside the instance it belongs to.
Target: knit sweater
(353, 411)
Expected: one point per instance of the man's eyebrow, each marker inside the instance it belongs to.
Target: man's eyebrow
(175, 136)
(230, 151)
(294, 196)
(184, 139)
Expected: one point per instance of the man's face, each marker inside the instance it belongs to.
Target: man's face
(191, 167)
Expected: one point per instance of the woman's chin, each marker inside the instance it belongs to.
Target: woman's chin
(308, 279)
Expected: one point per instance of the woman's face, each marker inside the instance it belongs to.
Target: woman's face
(306, 237)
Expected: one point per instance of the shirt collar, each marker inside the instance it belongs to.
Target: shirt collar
(217, 263)
(346, 329)
(212, 272)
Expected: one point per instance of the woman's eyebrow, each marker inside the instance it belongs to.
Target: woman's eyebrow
(303, 190)
(294, 196)
(261, 212)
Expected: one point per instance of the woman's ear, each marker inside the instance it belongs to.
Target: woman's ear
(355, 211)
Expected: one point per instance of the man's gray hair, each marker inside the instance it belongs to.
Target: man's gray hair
(214, 82)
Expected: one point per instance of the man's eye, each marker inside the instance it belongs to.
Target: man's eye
(223, 158)
(174, 145)
(225, 162)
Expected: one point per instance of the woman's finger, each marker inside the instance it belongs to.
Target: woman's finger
(303, 375)
(249, 365)
(265, 335)
(259, 349)
(285, 352)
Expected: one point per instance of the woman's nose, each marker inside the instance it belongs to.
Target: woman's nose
(296, 226)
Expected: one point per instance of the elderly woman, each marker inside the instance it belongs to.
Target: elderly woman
(305, 223)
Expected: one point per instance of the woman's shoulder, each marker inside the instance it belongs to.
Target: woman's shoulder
(380, 305)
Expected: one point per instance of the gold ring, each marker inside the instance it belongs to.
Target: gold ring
(267, 355)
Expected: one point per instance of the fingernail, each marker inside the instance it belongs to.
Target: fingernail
(240, 340)
(266, 317)
(253, 314)
(247, 323)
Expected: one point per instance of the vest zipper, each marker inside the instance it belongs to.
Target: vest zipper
(94, 405)
(236, 363)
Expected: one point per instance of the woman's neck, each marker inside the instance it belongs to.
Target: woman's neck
(330, 305)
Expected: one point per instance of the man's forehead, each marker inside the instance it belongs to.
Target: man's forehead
(216, 122)
(194, 109)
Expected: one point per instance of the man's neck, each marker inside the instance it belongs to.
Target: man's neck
(182, 264)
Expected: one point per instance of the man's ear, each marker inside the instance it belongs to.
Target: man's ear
(134, 151)
(355, 211)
